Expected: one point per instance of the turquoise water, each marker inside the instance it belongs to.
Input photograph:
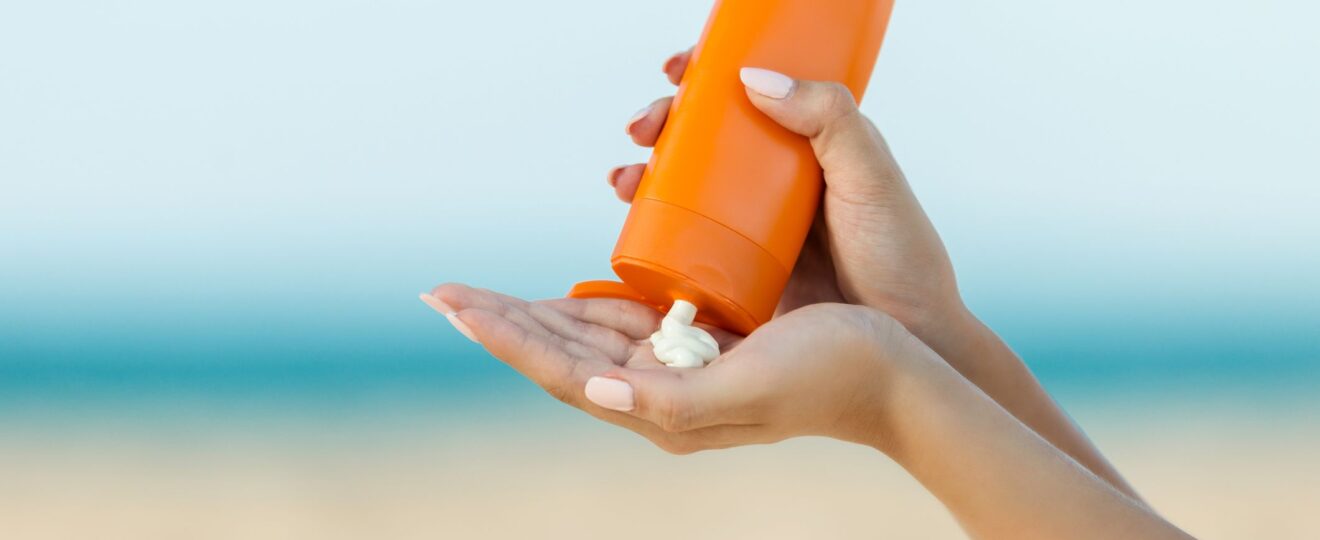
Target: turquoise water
(324, 365)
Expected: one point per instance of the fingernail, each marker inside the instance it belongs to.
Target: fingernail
(636, 118)
(614, 175)
(612, 394)
(669, 64)
(436, 303)
(461, 327)
(444, 309)
(771, 84)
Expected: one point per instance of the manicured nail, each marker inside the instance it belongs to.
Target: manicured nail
(614, 175)
(771, 84)
(612, 394)
(669, 64)
(637, 118)
(461, 327)
(436, 303)
(444, 309)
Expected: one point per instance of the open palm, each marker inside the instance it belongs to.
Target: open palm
(740, 398)
(564, 340)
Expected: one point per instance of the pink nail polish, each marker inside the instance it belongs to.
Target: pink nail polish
(671, 62)
(614, 175)
(611, 394)
(771, 84)
(636, 118)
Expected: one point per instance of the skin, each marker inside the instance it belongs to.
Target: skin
(873, 345)
(872, 245)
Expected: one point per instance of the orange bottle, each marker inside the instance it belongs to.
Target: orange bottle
(728, 196)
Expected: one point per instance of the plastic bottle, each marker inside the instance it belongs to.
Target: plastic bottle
(728, 196)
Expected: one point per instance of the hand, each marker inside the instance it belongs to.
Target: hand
(819, 370)
(872, 243)
(827, 369)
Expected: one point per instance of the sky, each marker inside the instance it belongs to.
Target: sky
(1126, 183)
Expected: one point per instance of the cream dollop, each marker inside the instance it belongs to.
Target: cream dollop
(679, 344)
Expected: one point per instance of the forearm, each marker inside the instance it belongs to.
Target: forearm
(983, 359)
(999, 478)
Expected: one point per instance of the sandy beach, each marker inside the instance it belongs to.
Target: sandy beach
(562, 475)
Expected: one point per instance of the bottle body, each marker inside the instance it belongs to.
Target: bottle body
(728, 197)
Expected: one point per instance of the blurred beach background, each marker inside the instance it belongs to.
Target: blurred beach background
(215, 219)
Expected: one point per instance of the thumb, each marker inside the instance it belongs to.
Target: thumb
(676, 401)
(856, 160)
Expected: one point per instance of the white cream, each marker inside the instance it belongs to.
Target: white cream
(679, 344)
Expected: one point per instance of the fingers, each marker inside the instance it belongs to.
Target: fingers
(677, 65)
(462, 297)
(628, 318)
(583, 340)
(675, 400)
(534, 356)
(680, 411)
(561, 375)
(644, 127)
(856, 160)
(625, 179)
(570, 380)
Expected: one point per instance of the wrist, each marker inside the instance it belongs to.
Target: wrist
(892, 359)
(913, 375)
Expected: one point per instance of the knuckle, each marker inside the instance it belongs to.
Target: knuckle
(835, 108)
(839, 100)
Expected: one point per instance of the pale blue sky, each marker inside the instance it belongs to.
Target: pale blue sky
(296, 171)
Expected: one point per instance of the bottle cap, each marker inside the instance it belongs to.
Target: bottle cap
(667, 252)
